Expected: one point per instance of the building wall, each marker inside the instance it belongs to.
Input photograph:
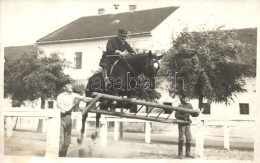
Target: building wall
(220, 111)
(232, 111)
(91, 53)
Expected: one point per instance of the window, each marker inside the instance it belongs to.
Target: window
(78, 60)
(167, 111)
(206, 108)
(244, 108)
(50, 104)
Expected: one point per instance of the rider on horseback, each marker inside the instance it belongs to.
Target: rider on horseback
(116, 47)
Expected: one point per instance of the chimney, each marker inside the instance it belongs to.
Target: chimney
(132, 7)
(101, 11)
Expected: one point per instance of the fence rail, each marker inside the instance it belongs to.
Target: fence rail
(53, 117)
(53, 128)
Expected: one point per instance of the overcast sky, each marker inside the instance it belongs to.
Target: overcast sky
(25, 21)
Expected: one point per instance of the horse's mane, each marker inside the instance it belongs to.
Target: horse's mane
(138, 58)
(136, 61)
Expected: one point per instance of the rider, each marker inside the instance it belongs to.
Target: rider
(116, 47)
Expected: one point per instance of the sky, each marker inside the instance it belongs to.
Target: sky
(25, 21)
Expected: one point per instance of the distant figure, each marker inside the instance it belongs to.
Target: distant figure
(66, 102)
(116, 47)
(184, 129)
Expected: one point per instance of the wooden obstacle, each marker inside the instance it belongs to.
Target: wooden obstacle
(97, 96)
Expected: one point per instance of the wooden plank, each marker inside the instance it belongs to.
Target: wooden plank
(42, 113)
(199, 149)
(91, 104)
(53, 137)
(103, 132)
(162, 120)
(140, 102)
(148, 129)
(116, 130)
(226, 136)
(9, 126)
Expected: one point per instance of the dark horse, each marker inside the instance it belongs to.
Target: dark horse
(127, 76)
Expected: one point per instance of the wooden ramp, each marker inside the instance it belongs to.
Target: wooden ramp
(91, 107)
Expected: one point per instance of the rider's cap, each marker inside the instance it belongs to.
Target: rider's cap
(122, 32)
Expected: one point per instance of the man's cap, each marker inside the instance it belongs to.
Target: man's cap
(122, 32)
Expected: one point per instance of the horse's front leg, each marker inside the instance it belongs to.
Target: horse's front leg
(96, 132)
(82, 131)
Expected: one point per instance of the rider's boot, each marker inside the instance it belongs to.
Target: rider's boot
(188, 151)
(180, 147)
(105, 77)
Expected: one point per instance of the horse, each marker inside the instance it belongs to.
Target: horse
(127, 76)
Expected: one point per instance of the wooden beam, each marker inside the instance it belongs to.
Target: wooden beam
(91, 104)
(140, 102)
(32, 113)
(162, 120)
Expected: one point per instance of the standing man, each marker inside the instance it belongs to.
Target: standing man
(116, 47)
(184, 129)
(66, 102)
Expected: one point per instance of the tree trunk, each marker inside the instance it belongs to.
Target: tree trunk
(200, 101)
(40, 122)
(17, 104)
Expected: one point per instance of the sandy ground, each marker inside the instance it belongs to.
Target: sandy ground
(163, 146)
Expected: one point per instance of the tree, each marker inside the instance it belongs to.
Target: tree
(210, 64)
(35, 76)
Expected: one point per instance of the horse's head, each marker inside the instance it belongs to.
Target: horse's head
(151, 68)
(142, 67)
(152, 65)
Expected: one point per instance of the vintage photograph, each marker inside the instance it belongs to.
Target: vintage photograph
(129, 80)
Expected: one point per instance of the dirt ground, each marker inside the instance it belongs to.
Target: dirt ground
(163, 146)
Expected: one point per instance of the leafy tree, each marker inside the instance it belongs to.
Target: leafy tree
(34, 76)
(210, 64)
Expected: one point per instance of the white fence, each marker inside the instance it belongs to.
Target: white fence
(53, 117)
(199, 123)
(53, 126)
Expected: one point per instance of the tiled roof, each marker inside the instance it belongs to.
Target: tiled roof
(136, 22)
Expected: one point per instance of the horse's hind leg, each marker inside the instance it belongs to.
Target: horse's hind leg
(98, 115)
(82, 131)
(103, 106)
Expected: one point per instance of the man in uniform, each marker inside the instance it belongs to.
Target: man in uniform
(184, 129)
(116, 47)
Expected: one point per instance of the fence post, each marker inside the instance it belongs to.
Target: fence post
(53, 134)
(226, 135)
(148, 127)
(116, 130)
(199, 139)
(9, 126)
(103, 132)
